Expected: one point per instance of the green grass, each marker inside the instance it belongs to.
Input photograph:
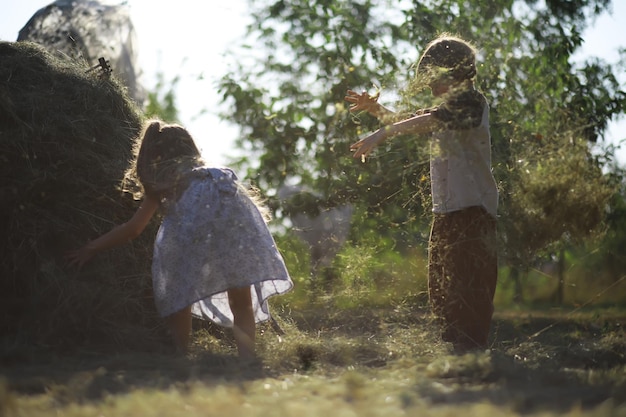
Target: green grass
(365, 362)
(363, 346)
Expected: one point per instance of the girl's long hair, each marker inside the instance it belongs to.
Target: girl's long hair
(163, 155)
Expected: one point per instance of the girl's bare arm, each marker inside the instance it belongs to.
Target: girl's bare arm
(117, 236)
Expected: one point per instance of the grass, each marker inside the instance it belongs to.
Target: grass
(365, 362)
(360, 347)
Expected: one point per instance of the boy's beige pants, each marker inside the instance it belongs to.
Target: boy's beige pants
(462, 275)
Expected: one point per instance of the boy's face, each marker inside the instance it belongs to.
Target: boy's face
(439, 80)
(440, 86)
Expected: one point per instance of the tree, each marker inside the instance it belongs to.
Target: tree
(545, 109)
(161, 102)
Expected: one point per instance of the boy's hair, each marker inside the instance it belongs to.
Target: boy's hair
(454, 56)
(163, 153)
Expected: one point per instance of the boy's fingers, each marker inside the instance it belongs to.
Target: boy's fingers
(356, 145)
(360, 155)
(358, 151)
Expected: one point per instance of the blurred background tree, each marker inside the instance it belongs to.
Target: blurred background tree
(161, 101)
(547, 113)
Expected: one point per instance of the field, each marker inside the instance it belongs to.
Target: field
(353, 362)
(363, 344)
(81, 344)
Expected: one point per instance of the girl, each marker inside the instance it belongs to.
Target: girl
(214, 257)
(462, 250)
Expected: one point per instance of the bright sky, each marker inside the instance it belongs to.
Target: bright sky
(188, 38)
(185, 38)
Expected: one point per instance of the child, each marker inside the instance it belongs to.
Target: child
(214, 257)
(462, 267)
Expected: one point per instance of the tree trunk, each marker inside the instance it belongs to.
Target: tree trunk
(518, 295)
(560, 275)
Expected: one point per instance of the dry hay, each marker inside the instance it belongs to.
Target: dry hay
(65, 135)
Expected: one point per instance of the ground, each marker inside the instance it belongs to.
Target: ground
(563, 361)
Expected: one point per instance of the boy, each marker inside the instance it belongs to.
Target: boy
(462, 267)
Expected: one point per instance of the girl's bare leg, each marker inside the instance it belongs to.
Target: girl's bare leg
(244, 328)
(179, 324)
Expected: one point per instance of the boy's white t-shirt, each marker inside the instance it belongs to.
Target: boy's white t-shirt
(460, 168)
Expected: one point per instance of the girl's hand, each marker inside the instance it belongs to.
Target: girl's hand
(117, 236)
(80, 257)
(362, 101)
(366, 145)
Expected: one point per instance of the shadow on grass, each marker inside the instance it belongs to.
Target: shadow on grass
(91, 376)
(538, 360)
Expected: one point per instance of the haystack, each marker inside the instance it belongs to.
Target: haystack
(65, 140)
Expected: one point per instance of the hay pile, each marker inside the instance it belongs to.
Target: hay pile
(65, 139)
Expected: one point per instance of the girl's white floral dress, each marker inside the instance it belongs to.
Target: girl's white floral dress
(211, 239)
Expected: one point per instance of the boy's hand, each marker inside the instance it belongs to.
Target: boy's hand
(362, 101)
(366, 145)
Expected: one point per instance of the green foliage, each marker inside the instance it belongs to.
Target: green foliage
(545, 110)
(383, 279)
(162, 101)
(610, 254)
(561, 196)
(371, 273)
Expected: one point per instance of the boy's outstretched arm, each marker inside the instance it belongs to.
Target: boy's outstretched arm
(421, 124)
(117, 236)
